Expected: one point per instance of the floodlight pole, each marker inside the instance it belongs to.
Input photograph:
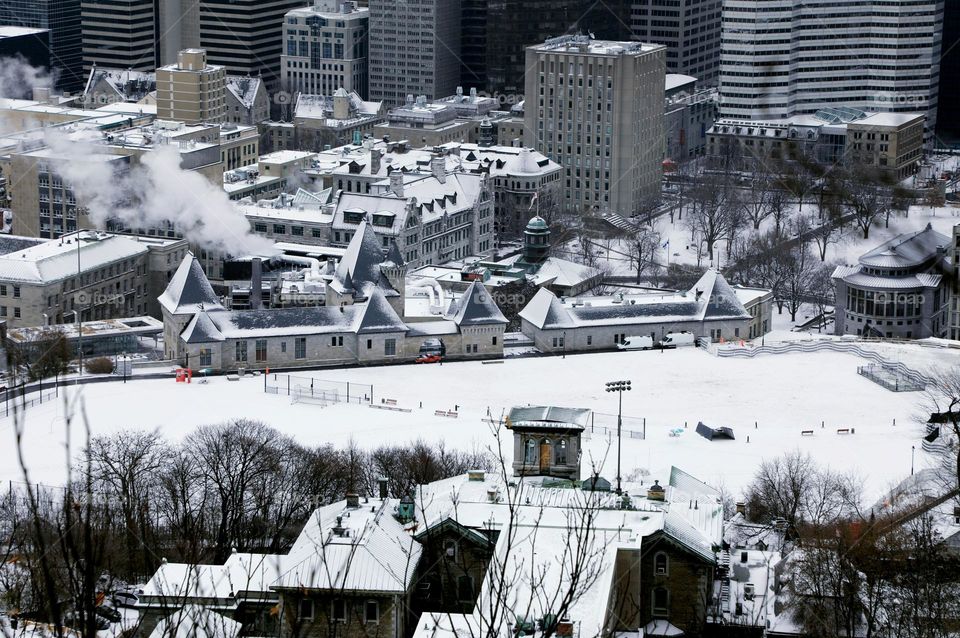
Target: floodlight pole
(619, 387)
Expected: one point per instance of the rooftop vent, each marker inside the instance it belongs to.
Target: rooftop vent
(353, 501)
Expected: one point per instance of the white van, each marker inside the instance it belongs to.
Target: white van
(678, 340)
(636, 343)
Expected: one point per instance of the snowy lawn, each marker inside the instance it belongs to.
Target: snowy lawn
(784, 394)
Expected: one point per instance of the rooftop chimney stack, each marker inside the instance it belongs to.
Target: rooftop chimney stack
(353, 501)
(438, 166)
(396, 183)
(382, 484)
(256, 283)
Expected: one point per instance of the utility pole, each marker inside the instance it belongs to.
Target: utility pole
(620, 387)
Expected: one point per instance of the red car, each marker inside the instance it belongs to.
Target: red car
(428, 358)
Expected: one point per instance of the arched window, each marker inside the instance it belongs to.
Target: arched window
(450, 549)
(530, 453)
(560, 452)
(661, 564)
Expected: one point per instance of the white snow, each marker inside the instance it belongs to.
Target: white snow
(784, 394)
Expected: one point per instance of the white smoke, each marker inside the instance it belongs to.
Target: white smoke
(154, 192)
(18, 78)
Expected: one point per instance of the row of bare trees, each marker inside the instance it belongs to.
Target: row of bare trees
(136, 498)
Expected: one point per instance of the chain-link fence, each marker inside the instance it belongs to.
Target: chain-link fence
(307, 388)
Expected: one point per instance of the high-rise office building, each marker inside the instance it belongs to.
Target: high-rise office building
(414, 49)
(596, 108)
(245, 36)
(192, 90)
(325, 48)
(120, 34)
(62, 19)
(494, 35)
(948, 104)
(781, 58)
(690, 29)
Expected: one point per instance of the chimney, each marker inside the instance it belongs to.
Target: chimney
(438, 166)
(564, 628)
(396, 183)
(353, 501)
(744, 557)
(741, 508)
(382, 485)
(256, 283)
(375, 156)
(655, 492)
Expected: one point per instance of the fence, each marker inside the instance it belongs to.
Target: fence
(15, 399)
(313, 389)
(890, 378)
(892, 367)
(607, 424)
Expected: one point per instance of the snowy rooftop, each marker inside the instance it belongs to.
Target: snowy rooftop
(56, 259)
(244, 88)
(907, 250)
(145, 325)
(585, 44)
(189, 290)
(711, 298)
(320, 107)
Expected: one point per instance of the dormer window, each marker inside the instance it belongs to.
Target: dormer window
(353, 216)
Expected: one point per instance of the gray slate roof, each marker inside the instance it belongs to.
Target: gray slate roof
(475, 308)
(379, 316)
(189, 290)
(359, 268)
(548, 417)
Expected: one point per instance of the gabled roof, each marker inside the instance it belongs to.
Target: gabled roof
(548, 417)
(721, 301)
(476, 307)
(201, 329)
(196, 621)
(545, 311)
(379, 316)
(359, 268)
(189, 290)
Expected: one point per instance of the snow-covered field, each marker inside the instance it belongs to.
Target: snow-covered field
(784, 394)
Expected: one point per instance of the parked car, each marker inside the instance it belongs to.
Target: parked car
(678, 339)
(636, 343)
(428, 358)
(125, 599)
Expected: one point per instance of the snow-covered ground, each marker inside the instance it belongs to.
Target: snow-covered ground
(784, 394)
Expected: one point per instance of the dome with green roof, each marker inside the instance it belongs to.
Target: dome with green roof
(537, 223)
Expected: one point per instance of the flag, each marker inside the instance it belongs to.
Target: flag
(533, 200)
(665, 244)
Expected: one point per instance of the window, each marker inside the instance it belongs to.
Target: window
(465, 592)
(283, 346)
(16, 292)
(3, 290)
(530, 452)
(369, 344)
(661, 601)
(494, 342)
(305, 611)
(450, 549)
(660, 564)
(241, 350)
(560, 452)
(338, 611)
(390, 347)
(206, 357)
(589, 340)
(16, 311)
(371, 611)
(336, 342)
(261, 352)
(300, 348)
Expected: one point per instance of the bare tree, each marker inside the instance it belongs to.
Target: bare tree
(867, 200)
(642, 248)
(710, 209)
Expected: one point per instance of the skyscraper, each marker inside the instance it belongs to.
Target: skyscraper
(325, 48)
(596, 108)
(120, 34)
(690, 29)
(414, 49)
(62, 18)
(781, 58)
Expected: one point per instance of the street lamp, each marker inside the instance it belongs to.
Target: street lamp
(913, 450)
(619, 387)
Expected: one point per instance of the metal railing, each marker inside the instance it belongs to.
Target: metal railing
(307, 387)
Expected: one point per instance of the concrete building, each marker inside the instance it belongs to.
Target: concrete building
(325, 48)
(272, 174)
(106, 85)
(690, 29)
(247, 101)
(62, 19)
(953, 312)
(889, 144)
(711, 308)
(689, 112)
(456, 118)
(192, 91)
(322, 122)
(784, 58)
(414, 50)
(897, 289)
(99, 275)
(596, 108)
(127, 34)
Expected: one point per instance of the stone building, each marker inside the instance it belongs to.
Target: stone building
(363, 319)
(546, 440)
(192, 91)
(711, 308)
(897, 289)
